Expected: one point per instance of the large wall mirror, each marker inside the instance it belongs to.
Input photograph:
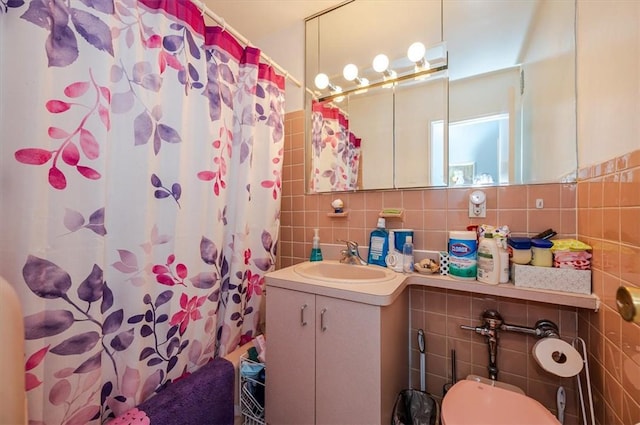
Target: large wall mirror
(492, 102)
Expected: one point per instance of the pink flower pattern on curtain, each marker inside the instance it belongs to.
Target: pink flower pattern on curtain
(141, 183)
(335, 150)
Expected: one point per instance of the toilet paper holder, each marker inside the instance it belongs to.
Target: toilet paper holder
(628, 303)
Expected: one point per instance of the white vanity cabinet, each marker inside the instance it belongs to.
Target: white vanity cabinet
(333, 361)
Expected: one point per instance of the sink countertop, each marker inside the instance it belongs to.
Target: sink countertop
(385, 293)
(379, 293)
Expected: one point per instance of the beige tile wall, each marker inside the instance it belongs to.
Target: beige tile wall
(609, 220)
(607, 199)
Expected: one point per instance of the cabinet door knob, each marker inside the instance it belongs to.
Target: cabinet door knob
(303, 322)
(323, 325)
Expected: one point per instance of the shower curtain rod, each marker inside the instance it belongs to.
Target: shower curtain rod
(204, 9)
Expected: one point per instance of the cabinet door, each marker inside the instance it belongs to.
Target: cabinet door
(347, 362)
(290, 388)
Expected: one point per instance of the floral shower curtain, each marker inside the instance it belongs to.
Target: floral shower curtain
(140, 166)
(335, 150)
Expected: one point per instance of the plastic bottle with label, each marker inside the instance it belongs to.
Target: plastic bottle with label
(407, 255)
(488, 260)
(379, 244)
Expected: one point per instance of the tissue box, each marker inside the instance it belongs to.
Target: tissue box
(551, 278)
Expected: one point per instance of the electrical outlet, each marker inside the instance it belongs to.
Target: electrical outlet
(477, 211)
(539, 203)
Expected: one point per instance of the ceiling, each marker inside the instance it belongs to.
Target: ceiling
(256, 19)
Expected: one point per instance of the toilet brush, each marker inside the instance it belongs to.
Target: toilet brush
(561, 401)
(446, 387)
(421, 346)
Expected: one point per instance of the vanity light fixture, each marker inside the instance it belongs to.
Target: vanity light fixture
(416, 54)
(321, 81)
(363, 84)
(337, 90)
(426, 61)
(350, 73)
(381, 64)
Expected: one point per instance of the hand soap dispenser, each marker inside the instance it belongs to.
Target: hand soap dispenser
(316, 253)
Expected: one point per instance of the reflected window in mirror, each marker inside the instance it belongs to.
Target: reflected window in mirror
(479, 151)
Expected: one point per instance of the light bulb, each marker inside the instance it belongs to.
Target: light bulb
(416, 52)
(322, 81)
(350, 72)
(380, 63)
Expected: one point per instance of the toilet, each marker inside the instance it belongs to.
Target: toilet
(481, 401)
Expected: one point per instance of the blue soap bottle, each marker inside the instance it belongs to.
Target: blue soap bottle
(379, 244)
(316, 253)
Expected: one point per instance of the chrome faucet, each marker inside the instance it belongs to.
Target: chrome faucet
(351, 255)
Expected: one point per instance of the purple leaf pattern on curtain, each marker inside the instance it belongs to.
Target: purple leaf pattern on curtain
(163, 192)
(151, 186)
(62, 44)
(74, 221)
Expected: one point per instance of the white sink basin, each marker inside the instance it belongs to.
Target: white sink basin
(333, 271)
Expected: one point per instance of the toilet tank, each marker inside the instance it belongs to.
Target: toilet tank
(13, 400)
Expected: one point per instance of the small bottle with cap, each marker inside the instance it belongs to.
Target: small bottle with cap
(407, 255)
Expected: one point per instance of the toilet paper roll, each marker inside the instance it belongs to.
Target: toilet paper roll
(558, 357)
